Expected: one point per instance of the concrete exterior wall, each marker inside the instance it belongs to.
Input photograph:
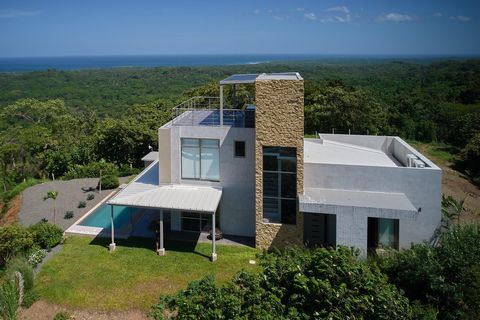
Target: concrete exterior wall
(236, 212)
(421, 185)
(278, 122)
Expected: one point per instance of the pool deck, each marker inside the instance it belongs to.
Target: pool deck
(70, 193)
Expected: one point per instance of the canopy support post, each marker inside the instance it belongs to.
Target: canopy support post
(214, 249)
(112, 245)
(161, 249)
(221, 105)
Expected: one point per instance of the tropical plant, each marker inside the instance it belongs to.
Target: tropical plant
(90, 196)
(68, 215)
(451, 210)
(82, 204)
(294, 284)
(52, 195)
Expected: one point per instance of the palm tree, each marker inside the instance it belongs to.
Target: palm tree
(451, 209)
(52, 195)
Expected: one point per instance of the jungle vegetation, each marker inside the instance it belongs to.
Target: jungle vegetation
(71, 123)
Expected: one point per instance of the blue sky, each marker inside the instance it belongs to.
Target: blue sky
(116, 27)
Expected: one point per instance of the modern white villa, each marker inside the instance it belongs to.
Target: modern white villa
(250, 172)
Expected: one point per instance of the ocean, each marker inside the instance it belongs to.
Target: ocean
(97, 62)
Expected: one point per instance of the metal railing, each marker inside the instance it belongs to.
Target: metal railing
(205, 111)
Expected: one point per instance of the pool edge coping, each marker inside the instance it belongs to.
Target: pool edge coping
(89, 212)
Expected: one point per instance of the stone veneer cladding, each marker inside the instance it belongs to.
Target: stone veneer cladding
(278, 122)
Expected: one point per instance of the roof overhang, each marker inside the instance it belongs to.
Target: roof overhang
(145, 192)
(373, 204)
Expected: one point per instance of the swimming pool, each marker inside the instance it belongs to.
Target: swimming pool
(100, 218)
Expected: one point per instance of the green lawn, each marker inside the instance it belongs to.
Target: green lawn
(85, 275)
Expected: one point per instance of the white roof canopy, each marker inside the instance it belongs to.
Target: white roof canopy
(144, 191)
(375, 204)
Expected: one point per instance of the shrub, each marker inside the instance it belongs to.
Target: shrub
(9, 300)
(36, 255)
(68, 215)
(14, 240)
(90, 196)
(82, 204)
(446, 277)
(62, 315)
(110, 182)
(91, 170)
(294, 284)
(20, 264)
(46, 235)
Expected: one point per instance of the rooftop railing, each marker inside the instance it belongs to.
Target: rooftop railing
(205, 111)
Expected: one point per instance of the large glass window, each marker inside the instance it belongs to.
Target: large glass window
(196, 222)
(200, 159)
(279, 184)
(383, 233)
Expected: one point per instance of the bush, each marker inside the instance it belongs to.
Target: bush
(90, 196)
(21, 265)
(110, 182)
(68, 215)
(46, 235)
(91, 170)
(14, 240)
(36, 255)
(82, 204)
(446, 277)
(294, 284)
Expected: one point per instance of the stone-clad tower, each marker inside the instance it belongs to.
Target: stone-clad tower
(279, 129)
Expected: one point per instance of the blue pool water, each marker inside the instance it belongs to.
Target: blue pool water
(101, 217)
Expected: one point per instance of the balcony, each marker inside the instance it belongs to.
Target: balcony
(208, 111)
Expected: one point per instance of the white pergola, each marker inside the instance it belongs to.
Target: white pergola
(145, 192)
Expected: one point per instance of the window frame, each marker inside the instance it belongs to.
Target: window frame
(200, 216)
(199, 140)
(279, 174)
(235, 149)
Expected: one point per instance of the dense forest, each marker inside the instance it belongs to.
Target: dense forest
(68, 123)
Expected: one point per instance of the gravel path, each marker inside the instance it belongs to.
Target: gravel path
(70, 193)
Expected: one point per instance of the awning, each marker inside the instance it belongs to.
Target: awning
(374, 204)
(145, 192)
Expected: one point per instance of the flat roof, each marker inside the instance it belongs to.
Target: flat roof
(146, 192)
(252, 77)
(320, 200)
(332, 152)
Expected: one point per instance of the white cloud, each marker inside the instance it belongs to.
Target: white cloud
(461, 18)
(396, 17)
(279, 18)
(300, 9)
(13, 13)
(438, 14)
(256, 11)
(347, 18)
(338, 9)
(310, 16)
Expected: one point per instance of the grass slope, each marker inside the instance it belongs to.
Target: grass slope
(85, 275)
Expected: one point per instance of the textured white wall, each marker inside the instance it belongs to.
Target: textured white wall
(237, 175)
